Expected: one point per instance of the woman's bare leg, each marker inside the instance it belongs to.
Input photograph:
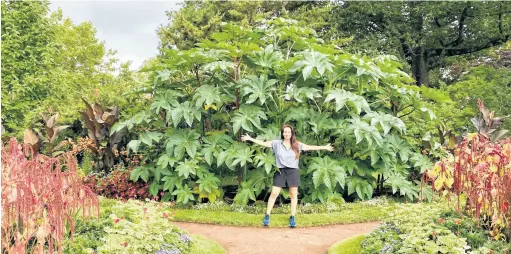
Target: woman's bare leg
(293, 192)
(275, 191)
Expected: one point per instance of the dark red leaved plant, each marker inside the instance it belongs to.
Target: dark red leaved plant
(118, 185)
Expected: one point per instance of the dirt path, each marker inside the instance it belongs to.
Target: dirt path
(277, 240)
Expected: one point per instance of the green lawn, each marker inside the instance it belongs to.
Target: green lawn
(354, 214)
(347, 246)
(203, 245)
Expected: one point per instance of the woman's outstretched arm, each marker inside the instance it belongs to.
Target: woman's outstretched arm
(328, 147)
(259, 142)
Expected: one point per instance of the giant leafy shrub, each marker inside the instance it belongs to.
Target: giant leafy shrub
(254, 79)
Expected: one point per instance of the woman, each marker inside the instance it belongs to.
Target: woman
(287, 152)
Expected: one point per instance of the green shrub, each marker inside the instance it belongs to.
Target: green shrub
(464, 227)
(384, 239)
(413, 229)
(134, 227)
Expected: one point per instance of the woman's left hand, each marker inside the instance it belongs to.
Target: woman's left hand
(329, 147)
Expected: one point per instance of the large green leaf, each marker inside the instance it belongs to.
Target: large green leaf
(328, 172)
(154, 187)
(298, 114)
(320, 123)
(361, 186)
(406, 188)
(266, 58)
(386, 121)
(258, 180)
(149, 136)
(139, 118)
(133, 145)
(258, 88)
(363, 130)
(231, 154)
(165, 160)
(172, 181)
(181, 141)
(185, 110)
(400, 146)
(321, 193)
(266, 160)
(213, 145)
(208, 95)
(208, 183)
(300, 94)
(140, 172)
(245, 194)
(421, 161)
(219, 66)
(242, 157)
(184, 194)
(342, 97)
(313, 61)
(163, 101)
(187, 167)
(246, 117)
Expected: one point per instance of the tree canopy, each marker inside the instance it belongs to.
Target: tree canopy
(49, 63)
(425, 33)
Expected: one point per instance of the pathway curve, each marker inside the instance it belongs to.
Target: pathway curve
(245, 240)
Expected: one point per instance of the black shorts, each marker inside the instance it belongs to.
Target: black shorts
(288, 177)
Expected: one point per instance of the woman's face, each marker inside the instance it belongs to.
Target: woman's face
(287, 133)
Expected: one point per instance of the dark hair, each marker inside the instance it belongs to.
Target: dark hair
(294, 143)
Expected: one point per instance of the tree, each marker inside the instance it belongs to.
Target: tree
(85, 69)
(425, 33)
(50, 63)
(197, 20)
(28, 48)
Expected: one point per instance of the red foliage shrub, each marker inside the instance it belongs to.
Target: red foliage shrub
(39, 199)
(118, 185)
(481, 170)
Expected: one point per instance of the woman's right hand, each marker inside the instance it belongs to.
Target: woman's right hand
(246, 137)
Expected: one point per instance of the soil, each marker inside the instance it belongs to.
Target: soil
(262, 240)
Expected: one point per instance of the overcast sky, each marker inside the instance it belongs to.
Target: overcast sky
(126, 26)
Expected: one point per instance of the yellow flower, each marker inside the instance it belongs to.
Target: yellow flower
(208, 106)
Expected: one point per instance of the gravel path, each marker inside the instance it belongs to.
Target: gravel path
(244, 240)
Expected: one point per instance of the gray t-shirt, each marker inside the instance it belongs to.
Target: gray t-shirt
(284, 157)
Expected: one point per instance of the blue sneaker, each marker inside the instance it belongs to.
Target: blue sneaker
(292, 222)
(266, 220)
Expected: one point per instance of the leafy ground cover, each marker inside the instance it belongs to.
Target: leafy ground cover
(430, 229)
(135, 227)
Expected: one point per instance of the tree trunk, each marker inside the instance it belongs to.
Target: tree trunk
(419, 65)
(419, 57)
(378, 185)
